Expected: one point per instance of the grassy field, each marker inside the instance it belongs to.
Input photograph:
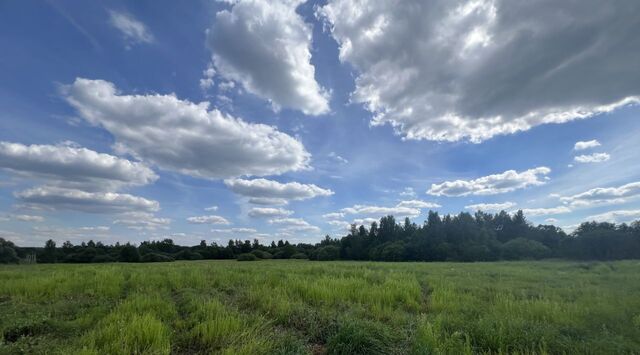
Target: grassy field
(298, 307)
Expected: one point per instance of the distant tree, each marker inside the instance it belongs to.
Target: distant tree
(521, 248)
(8, 253)
(49, 254)
(129, 254)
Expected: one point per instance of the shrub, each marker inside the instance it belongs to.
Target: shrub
(8, 253)
(129, 254)
(262, 254)
(521, 248)
(188, 255)
(299, 256)
(156, 258)
(359, 337)
(247, 257)
(330, 252)
(103, 259)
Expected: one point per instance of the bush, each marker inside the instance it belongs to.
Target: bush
(8, 253)
(156, 258)
(359, 337)
(262, 254)
(188, 255)
(299, 256)
(247, 257)
(521, 248)
(330, 252)
(86, 255)
(129, 254)
(103, 259)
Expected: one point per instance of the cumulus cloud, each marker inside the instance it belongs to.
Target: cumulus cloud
(398, 211)
(604, 195)
(27, 218)
(261, 212)
(507, 181)
(333, 215)
(235, 231)
(263, 188)
(592, 158)
(450, 70)
(133, 30)
(545, 211)
(268, 201)
(183, 136)
(265, 46)
(364, 221)
(408, 192)
(418, 204)
(142, 221)
(619, 216)
(491, 207)
(72, 166)
(57, 198)
(294, 225)
(212, 219)
(582, 145)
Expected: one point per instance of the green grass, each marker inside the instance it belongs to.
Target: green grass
(303, 307)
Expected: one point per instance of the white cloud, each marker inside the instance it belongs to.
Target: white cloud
(418, 204)
(507, 181)
(268, 201)
(212, 219)
(50, 197)
(341, 224)
(289, 225)
(207, 81)
(265, 46)
(261, 212)
(491, 207)
(551, 221)
(364, 221)
(142, 221)
(333, 215)
(235, 231)
(211, 208)
(604, 195)
(183, 136)
(592, 158)
(620, 216)
(27, 218)
(545, 211)
(289, 221)
(582, 145)
(408, 192)
(338, 158)
(72, 166)
(397, 211)
(132, 29)
(263, 188)
(449, 70)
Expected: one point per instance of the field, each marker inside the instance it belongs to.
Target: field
(298, 307)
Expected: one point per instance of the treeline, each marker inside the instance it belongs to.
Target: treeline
(463, 237)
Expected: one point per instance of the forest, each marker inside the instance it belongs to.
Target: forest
(463, 237)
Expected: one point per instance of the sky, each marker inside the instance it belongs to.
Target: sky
(203, 120)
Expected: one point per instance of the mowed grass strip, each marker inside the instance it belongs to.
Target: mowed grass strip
(302, 307)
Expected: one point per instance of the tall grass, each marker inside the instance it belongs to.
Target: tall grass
(296, 307)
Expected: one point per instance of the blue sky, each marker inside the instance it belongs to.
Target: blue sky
(319, 114)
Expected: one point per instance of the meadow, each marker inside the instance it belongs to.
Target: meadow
(304, 307)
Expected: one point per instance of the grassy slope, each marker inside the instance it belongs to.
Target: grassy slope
(292, 307)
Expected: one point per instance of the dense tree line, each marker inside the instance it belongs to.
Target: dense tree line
(463, 237)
